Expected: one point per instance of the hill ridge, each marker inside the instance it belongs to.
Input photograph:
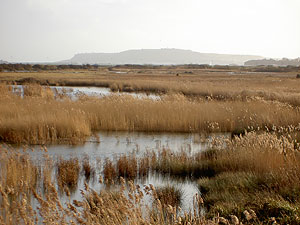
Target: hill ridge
(165, 56)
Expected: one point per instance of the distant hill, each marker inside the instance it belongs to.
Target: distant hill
(159, 57)
(274, 62)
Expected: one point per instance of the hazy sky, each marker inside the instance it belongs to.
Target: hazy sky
(50, 30)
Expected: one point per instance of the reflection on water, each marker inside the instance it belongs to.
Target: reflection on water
(189, 188)
(115, 143)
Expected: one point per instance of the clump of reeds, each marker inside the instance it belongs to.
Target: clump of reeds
(88, 170)
(109, 171)
(127, 167)
(18, 177)
(36, 90)
(169, 195)
(17, 171)
(68, 173)
(144, 166)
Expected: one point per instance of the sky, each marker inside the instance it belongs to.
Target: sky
(53, 30)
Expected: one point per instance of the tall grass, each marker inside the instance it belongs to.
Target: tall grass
(68, 173)
(87, 169)
(127, 168)
(259, 153)
(169, 195)
(40, 120)
(257, 172)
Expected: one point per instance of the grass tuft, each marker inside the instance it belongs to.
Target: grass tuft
(68, 173)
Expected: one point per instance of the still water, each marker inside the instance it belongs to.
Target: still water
(113, 144)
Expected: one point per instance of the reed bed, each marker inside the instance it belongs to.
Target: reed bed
(68, 172)
(259, 152)
(23, 200)
(169, 195)
(255, 178)
(221, 84)
(256, 172)
(127, 168)
(215, 89)
(88, 170)
(38, 119)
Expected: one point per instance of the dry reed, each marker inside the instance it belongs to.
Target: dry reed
(169, 195)
(214, 83)
(68, 173)
(87, 169)
(127, 167)
(39, 120)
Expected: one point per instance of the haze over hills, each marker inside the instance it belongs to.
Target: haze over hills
(159, 57)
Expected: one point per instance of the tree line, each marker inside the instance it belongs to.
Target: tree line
(39, 67)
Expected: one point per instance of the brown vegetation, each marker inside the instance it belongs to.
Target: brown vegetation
(257, 172)
(127, 168)
(169, 195)
(218, 82)
(109, 171)
(253, 177)
(88, 170)
(68, 173)
(39, 118)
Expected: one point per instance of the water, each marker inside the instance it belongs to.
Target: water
(119, 72)
(114, 144)
(75, 92)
